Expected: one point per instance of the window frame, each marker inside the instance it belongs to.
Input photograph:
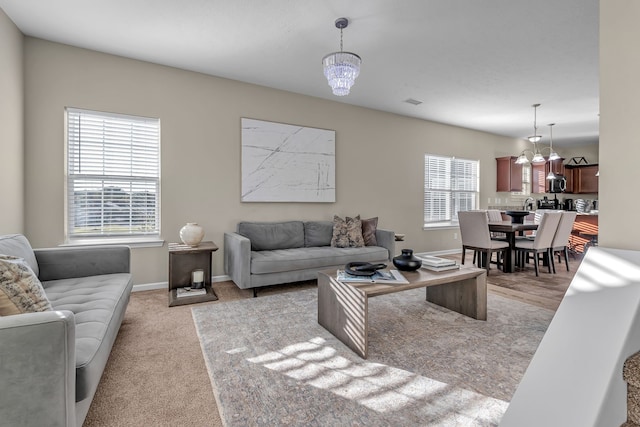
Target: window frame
(454, 188)
(138, 176)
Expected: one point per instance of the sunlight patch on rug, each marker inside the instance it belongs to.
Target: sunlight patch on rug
(374, 385)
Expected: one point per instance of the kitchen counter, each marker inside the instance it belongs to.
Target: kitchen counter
(584, 228)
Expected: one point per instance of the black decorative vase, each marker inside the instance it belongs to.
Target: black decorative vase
(406, 261)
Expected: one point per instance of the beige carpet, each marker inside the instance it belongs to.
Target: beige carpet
(156, 373)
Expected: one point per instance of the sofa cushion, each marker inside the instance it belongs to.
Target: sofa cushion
(369, 227)
(20, 289)
(318, 233)
(283, 260)
(273, 235)
(347, 232)
(96, 302)
(18, 245)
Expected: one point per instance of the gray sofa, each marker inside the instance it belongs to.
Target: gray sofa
(51, 362)
(268, 253)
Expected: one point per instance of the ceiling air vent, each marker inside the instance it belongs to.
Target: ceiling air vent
(413, 101)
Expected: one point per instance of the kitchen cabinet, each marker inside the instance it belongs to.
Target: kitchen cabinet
(508, 174)
(539, 178)
(539, 172)
(582, 179)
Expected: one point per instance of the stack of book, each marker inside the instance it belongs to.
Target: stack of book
(188, 292)
(434, 263)
(380, 276)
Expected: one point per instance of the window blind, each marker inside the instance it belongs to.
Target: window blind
(113, 175)
(450, 185)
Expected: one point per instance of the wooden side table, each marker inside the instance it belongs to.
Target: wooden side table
(183, 259)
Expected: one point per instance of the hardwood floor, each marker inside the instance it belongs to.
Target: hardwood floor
(546, 291)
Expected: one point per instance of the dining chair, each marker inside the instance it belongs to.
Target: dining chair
(474, 232)
(494, 215)
(541, 244)
(560, 241)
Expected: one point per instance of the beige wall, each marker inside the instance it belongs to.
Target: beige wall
(619, 118)
(379, 161)
(11, 127)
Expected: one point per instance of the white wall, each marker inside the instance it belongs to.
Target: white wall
(11, 127)
(379, 161)
(619, 118)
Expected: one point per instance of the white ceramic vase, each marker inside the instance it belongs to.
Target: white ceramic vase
(191, 234)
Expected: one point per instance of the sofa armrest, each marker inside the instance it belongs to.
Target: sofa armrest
(66, 263)
(237, 259)
(37, 369)
(387, 239)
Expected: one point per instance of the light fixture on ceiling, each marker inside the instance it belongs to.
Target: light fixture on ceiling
(552, 154)
(341, 68)
(537, 156)
(535, 137)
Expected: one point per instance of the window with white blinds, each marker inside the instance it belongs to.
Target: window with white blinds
(450, 185)
(113, 175)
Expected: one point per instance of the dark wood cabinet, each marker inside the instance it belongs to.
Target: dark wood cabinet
(586, 179)
(539, 182)
(582, 179)
(508, 174)
(539, 172)
(569, 177)
(556, 166)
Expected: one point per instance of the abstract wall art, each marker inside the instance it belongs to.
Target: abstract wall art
(287, 163)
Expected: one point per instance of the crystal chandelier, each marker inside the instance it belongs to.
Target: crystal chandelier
(341, 68)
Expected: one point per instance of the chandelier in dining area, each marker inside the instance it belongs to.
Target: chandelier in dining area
(536, 153)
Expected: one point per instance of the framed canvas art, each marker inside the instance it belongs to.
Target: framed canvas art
(287, 163)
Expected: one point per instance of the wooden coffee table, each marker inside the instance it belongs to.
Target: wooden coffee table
(343, 307)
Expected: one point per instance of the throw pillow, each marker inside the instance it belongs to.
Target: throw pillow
(369, 227)
(339, 238)
(347, 232)
(354, 232)
(20, 289)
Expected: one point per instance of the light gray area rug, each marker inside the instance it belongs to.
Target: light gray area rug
(271, 364)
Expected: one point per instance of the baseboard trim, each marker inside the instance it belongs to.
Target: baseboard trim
(165, 285)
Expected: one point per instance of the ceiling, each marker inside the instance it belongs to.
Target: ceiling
(472, 63)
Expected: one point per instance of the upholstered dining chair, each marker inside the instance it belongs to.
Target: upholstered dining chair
(560, 241)
(541, 244)
(495, 216)
(474, 231)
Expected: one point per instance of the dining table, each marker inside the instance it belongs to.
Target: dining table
(511, 229)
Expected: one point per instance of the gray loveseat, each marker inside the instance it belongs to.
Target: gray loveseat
(268, 253)
(51, 361)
